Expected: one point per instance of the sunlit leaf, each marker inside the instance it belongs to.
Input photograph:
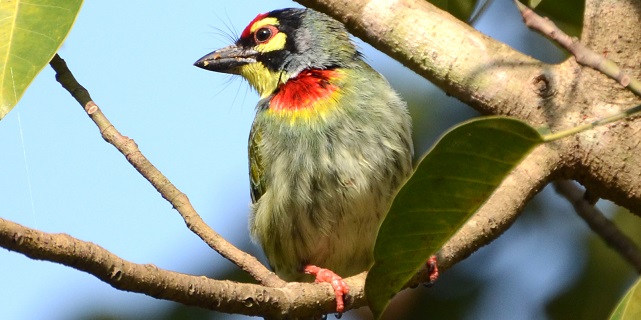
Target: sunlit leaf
(629, 308)
(451, 182)
(30, 34)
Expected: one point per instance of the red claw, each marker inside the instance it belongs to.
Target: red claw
(341, 289)
(432, 269)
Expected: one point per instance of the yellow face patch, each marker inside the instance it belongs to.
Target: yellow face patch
(274, 44)
(261, 78)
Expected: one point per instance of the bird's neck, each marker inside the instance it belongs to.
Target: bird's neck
(310, 93)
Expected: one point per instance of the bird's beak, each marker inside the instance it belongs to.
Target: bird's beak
(227, 59)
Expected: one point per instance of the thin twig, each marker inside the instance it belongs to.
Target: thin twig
(168, 191)
(607, 230)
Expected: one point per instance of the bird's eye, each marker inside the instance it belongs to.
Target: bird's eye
(263, 34)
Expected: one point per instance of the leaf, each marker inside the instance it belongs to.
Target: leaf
(461, 9)
(451, 182)
(30, 34)
(629, 308)
(567, 15)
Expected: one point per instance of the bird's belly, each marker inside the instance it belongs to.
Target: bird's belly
(338, 235)
(347, 248)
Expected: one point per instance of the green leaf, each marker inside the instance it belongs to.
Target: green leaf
(568, 14)
(452, 181)
(30, 34)
(461, 9)
(629, 307)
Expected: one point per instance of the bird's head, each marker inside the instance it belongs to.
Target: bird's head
(278, 45)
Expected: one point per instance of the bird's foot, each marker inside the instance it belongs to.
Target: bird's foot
(341, 289)
(432, 269)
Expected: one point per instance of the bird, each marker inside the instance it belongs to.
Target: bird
(329, 147)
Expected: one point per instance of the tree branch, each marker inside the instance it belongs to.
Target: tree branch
(478, 70)
(607, 230)
(178, 199)
(294, 299)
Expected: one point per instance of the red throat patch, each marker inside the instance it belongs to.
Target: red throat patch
(304, 90)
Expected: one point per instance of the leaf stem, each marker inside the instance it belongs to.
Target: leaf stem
(588, 126)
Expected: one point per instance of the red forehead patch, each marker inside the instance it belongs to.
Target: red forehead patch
(247, 30)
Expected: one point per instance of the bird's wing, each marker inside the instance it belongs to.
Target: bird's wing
(256, 166)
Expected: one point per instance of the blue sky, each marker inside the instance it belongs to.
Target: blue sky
(59, 176)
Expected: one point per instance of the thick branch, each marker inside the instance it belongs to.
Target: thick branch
(581, 53)
(480, 71)
(585, 57)
(168, 191)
